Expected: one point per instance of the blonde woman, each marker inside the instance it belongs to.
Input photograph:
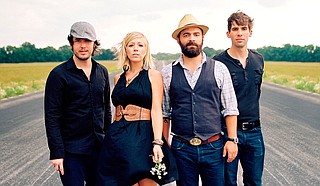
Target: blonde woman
(133, 142)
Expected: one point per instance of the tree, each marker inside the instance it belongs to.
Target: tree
(210, 52)
(105, 55)
(27, 52)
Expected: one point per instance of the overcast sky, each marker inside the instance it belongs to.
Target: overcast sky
(47, 22)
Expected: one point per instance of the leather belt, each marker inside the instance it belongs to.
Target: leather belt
(197, 141)
(132, 113)
(248, 125)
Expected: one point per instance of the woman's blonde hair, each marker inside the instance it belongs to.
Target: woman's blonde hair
(122, 54)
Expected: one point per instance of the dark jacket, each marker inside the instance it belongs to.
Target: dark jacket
(77, 111)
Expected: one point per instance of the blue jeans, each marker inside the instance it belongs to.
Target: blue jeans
(204, 160)
(251, 153)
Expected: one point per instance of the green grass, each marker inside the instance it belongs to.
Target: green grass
(17, 79)
(21, 78)
(303, 76)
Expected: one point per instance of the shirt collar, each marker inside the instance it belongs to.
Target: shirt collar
(180, 60)
(71, 64)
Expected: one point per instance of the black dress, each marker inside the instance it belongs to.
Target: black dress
(125, 156)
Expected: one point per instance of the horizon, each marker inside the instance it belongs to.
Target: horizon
(160, 51)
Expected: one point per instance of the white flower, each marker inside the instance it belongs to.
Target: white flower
(159, 170)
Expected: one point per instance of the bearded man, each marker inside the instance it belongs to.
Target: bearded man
(198, 99)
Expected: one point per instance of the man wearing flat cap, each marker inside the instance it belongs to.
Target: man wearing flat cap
(199, 98)
(77, 109)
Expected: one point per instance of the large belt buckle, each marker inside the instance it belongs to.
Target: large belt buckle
(195, 141)
(245, 125)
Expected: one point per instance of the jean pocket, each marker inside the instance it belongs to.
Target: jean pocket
(256, 147)
(177, 144)
(216, 145)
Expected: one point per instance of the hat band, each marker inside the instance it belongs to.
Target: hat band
(190, 24)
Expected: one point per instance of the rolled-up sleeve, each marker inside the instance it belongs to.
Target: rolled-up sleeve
(228, 97)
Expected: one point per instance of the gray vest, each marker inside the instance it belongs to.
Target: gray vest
(195, 112)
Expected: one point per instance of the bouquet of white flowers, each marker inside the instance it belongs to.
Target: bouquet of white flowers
(159, 170)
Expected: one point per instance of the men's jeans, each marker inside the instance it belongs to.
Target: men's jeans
(79, 169)
(204, 160)
(251, 153)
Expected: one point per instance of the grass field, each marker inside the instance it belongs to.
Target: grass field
(21, 78)
(17, 79)
(303, 76)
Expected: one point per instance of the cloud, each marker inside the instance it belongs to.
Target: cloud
(272, 3)
(47, 23)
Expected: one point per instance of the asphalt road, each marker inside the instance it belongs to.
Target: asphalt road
(290, 122)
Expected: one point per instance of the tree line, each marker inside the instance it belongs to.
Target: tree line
(27, 53)
(292, 53)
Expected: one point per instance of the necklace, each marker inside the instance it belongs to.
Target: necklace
(128, 81)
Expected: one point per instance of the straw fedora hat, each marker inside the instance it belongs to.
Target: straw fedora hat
(187, 21)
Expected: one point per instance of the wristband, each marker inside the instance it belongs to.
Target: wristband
(157, 142)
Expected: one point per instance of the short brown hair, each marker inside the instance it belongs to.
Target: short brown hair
(241, 19)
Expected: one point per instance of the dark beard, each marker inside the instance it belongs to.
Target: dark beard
(81, 58)
(191, 52)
